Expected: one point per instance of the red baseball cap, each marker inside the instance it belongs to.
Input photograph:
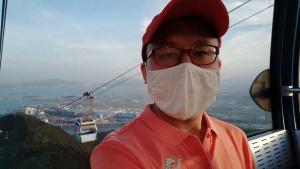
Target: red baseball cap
(213, 11)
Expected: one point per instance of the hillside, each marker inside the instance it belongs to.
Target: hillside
(34, 144)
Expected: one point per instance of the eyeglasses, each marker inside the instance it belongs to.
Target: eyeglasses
(170, 56)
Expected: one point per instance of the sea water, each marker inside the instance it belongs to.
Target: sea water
(12, 98)
(20, 97)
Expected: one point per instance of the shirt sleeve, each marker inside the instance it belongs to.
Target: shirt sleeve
(109, 155)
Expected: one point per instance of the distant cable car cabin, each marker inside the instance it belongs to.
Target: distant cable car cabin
(86, 128)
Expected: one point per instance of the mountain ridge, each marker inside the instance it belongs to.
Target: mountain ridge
(32, 143)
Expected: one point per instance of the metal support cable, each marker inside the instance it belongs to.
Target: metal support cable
(251, 16)
(117, 84)
(108, 88)
(103, 85)
(239, 6)
(116, 77)
(3, 19)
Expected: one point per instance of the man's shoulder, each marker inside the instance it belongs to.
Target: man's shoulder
(117, 148)
(225, 127)
(221, 122)
(128, 135)
(125, 145)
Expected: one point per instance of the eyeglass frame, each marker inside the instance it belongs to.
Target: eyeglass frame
(182, 51)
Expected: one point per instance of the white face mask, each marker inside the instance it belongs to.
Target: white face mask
(183, 91)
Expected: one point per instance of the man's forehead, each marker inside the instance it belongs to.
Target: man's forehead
(184, 25)
(196, 27)
(197, 42)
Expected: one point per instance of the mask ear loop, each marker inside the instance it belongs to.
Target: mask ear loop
(146, 65)
(220, 61)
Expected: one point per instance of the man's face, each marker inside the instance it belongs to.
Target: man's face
(183, 34)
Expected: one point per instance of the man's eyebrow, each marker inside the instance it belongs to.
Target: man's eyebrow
(201, 42)
(167, 43)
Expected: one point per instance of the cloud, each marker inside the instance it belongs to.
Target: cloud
(155, 8)
(98, 46)
(246, 53)
(144, 25)
(56, 40)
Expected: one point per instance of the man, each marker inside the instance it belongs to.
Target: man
(181, 69)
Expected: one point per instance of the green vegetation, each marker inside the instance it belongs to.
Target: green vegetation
(28, 143)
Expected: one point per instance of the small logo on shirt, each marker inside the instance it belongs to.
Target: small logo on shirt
(170, 163)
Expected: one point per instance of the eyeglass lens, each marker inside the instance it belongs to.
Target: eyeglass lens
(200, 55)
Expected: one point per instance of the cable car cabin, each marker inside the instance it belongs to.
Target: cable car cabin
(86, 130)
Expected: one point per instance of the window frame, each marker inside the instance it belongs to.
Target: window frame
(283, 47)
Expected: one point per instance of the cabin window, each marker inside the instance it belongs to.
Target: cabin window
(245, 54)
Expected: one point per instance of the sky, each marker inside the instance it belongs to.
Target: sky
(94, 41)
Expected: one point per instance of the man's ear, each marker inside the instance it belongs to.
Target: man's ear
(220, 63)
(143, 70)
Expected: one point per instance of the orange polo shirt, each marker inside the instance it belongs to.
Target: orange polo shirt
(148, 142)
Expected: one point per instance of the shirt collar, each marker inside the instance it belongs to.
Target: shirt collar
(170, 134)
(166, 131)
(210, 124)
